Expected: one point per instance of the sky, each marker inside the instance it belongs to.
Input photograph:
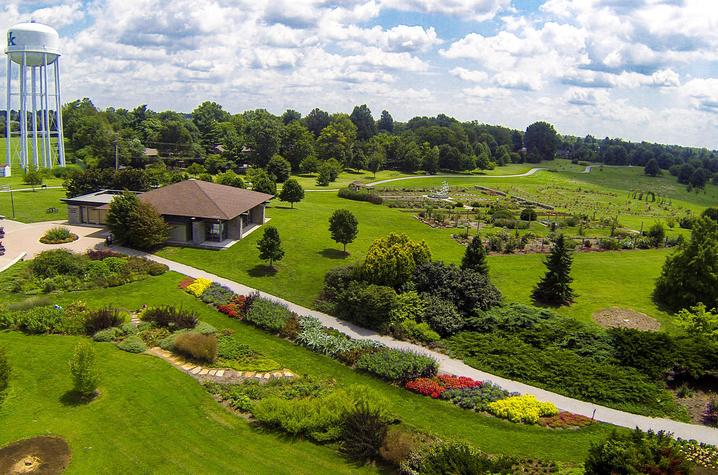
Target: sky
(639, 69)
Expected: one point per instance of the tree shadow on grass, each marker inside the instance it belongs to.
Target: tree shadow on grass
(330, 253)
(74, 398)
(282, 207)
(261, 270)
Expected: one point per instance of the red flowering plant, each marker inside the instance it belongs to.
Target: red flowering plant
(426, 387)
(449, 381)
(240, 301)
(232, 310)
(564, 420)
(434, 387)
(186, 282)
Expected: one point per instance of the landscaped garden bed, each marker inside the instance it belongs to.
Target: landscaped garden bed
(63, 270)
(58, 235)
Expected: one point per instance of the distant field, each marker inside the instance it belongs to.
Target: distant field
(603, 279)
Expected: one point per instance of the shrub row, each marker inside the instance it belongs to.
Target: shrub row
(360, 195)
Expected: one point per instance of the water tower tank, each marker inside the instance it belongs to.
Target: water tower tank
(34, 39)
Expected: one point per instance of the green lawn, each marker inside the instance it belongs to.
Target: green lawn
(164, 386)
(150, 418)
(602, 280)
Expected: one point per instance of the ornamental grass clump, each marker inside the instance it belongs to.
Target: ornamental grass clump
(197, 346)
(58, 235)
(525, 408)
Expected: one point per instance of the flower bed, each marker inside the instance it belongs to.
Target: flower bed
(564, 420)
(525, 408)
(198, 287)
(415, 371)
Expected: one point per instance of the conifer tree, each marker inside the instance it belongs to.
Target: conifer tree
(555, 287)
(270, 246)
(475, 257)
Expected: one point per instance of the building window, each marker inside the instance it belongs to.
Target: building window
(216, 232)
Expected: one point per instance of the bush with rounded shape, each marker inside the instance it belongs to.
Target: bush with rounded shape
(108, 334)
(397, 446)
(132, 344)
(455, 457)
(525, 408)
(528, 214)
(366, 305)
(83, 367)
(279, 168)
(442, 316)
(58, 235)
(391, 260)
(58, 262)
(197, 346)
(398, 365)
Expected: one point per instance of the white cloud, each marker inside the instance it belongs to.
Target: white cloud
(479, 10)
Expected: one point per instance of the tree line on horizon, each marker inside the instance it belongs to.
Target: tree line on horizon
(221, 141)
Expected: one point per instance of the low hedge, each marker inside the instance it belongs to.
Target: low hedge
(360, 195)
(398, 365)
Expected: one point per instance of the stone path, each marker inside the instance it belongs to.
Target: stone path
(453, 366)
(224, 375)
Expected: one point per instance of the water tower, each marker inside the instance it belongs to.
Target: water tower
(33, 98)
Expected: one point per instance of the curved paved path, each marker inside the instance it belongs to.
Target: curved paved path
(389, 180)
(450, 365)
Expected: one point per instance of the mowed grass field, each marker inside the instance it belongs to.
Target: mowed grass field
(602, 279)
(29, 206)
(153, 418)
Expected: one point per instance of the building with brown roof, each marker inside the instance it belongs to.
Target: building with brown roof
(199, 213)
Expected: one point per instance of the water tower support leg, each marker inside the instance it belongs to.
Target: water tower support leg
(58, 118)
(46, 99)
(8, 115)
(23, 112)
(33, 89)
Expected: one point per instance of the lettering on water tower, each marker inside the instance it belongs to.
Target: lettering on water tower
(10, 39)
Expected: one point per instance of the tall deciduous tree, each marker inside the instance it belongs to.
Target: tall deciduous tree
(386, 122)
(555, 287)
(136, 223)
(316, 120)
(475, 257)
(652, 168)
(297, 144)
(270, 246)
(362, 118)
(292, 192)
(262, 132)
(343, 226)
(690, 275)
(541, 141)
(279, 168)
(262, 182)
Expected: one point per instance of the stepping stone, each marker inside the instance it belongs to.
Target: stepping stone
(196, 370)
(277, 374)
(265, 376)
(288, 374)
(250, 374)
(187, 366)
(204, 371)
(220, 373)
(212, 372)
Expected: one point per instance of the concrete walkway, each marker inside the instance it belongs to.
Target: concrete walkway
(23, 240)
(450, 365)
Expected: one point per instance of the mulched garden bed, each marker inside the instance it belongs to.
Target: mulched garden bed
(39, 455)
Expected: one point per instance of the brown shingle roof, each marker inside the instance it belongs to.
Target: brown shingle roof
(202, 199)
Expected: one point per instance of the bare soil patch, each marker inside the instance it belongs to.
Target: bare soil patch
(616, 317)
(39, 455)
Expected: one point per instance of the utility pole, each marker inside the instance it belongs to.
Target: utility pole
(117, 163)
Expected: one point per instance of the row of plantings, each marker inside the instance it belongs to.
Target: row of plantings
(64, 270)
(356, 421)
(417, 372)
(398, 290)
